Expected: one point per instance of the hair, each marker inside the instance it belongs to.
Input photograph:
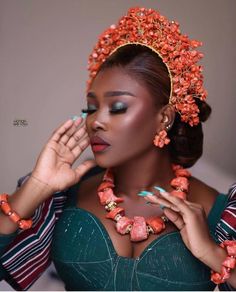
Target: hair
(148, 68)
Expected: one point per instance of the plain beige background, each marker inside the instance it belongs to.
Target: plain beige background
(44, 45)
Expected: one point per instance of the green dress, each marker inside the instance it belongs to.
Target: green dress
(85, 257)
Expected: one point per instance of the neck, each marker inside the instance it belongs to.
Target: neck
(143, 173)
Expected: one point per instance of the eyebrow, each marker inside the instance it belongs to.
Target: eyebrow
(111, 94)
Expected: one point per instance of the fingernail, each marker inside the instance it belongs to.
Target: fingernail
(74, 118)
(83, 115)
(161, 190)
(162, 207)
(145, 193)
(148, 203)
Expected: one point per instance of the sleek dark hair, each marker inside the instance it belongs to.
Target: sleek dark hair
(148, 68)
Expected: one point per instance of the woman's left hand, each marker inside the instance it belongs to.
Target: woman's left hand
(190, 219)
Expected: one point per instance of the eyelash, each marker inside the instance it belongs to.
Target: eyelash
(114, 111)
(88, 111)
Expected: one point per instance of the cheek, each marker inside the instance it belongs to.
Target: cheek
(88, 124)
(136, 126)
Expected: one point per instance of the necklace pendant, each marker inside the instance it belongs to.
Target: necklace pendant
(139, 229)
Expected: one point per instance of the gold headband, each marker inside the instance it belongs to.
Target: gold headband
(148, 28)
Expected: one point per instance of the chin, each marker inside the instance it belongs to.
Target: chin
(110, 163)
(106, 162)
(101, 162)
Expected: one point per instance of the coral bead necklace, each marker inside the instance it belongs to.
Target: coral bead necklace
(139, 228)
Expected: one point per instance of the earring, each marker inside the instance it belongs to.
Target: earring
(168, 127)
(166, 120)
(161, 139)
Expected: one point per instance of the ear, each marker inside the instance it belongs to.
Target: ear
(166, 117)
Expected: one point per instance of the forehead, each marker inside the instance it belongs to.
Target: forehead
(117, 78)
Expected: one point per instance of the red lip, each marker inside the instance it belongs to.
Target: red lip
(98, 144)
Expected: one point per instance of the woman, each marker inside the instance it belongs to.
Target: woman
(146, 102)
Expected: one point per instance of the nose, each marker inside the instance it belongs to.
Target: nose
(98, 120)
(98, 125)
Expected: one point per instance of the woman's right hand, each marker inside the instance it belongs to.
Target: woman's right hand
(54, 165)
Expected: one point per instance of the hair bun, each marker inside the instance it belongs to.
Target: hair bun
(205, 110)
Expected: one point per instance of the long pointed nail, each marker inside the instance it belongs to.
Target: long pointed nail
(145, 193)
(161, 190)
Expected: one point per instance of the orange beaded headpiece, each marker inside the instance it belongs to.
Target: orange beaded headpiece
(148, 28)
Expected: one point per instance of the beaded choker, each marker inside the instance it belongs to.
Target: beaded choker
(148, 28)
(139, 228)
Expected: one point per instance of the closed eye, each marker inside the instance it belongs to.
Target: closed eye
(118, 110)
(88, 111)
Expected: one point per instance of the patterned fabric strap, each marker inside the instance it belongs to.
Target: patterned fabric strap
(226, 228)
(28, 255)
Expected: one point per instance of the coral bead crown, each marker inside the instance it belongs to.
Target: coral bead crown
(148, 28)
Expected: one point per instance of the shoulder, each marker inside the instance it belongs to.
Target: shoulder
(201, 193)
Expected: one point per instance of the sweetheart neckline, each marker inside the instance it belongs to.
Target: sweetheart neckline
(154, 241)
(146, 249)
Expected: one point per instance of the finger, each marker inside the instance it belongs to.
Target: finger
(68, 134)
(79, 122)
(61, 130)
(83, 168)
(162, 202)
(177, 202)
(77, 136)
(174, 217)
(65, 127)
(193, 205)
(80, 147)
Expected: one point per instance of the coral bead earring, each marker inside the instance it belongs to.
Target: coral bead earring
(161, 139)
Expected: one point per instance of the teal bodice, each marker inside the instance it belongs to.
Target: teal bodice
(85, 257)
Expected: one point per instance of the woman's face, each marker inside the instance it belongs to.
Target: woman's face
(121, 119)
